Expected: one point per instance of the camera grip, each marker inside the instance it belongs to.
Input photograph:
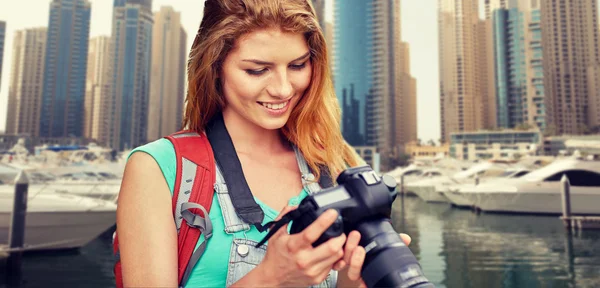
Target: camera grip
(336, 229)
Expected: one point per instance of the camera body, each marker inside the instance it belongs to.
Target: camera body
(360, 195)
(364, 200)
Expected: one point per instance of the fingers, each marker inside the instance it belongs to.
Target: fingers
(405, 238)
(356, 263)
(332, 248)
(311, 233)
(328, 253)
(351, 244)
(341, 264)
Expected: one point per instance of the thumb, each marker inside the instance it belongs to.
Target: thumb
(405, 238)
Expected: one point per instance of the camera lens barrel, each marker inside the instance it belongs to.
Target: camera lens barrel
(388, 261)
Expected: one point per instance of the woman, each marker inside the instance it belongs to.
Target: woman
(261, 67)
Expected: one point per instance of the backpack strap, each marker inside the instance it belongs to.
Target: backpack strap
(192, 197)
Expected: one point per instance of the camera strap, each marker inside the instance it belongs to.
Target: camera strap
(285, 219)
(226, 157)
(239, 191)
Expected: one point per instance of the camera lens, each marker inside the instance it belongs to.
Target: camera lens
(388, 262)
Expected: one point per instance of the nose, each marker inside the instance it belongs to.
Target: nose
(281, 86)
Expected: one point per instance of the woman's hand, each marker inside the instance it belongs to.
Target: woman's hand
(292, 261)
(354, 256)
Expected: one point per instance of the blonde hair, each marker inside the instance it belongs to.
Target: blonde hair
(314, 124)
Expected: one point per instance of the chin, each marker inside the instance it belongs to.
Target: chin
(273, 123)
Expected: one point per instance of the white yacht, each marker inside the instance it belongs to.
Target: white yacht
(57, 221)
(456, 193)
(432, 190)
(539, 192)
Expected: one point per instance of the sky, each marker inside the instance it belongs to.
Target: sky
(419, 29)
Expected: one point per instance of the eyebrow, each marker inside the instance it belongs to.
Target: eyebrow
(259, 62)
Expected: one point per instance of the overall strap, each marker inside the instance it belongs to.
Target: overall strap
(233, 223)
(308, 178)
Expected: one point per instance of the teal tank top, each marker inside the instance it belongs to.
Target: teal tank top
(211, 270)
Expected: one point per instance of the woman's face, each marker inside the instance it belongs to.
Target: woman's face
(264, 77)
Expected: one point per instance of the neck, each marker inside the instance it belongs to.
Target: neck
(247, 137)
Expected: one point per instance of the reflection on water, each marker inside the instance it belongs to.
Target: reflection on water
(458, 248)
(91, 266)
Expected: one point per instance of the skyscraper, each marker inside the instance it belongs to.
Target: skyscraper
(517, 62)
(594, 89)
(2, 35)
(131, 52)
(329, 38)
(65, 69)
(594, 98)
(26, 82)
(351, 71)
(372, 69)
(97, 89)
(461, 91)
(319, 6)
(405, 101)
(168, 74)
(570, 48)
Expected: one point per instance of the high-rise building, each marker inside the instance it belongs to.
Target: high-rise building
(405, 101)
(486, 76)
(2, 36)
(372, 69)
(329, 38)
(65, 69)
(351, 64)
(319, 6)
(131, 53)
(570, 48)
(168, 74)
(517, 54)
(461, 84)
(26, 82)
(392, 87)
(97, 89)
(594, 99)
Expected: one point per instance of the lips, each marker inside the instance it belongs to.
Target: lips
(275, 106)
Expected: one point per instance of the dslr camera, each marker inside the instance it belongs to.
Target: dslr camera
(364, 203)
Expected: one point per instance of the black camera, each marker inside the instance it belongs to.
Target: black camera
(364, 202)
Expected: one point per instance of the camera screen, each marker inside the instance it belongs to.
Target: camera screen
(324, 199)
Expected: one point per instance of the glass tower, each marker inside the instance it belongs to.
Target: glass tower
(65, 69)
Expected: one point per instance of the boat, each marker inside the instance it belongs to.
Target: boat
(57, 221)
(432, 190)
(539, 192)
(455, 194)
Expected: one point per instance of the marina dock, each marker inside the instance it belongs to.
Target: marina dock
(570, 221)
(581, 222)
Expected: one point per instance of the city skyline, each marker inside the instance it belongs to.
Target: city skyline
(419, 30)
(100, 26)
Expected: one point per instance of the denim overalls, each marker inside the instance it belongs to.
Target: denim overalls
(244, 256)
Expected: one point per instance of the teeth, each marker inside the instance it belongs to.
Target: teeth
(275, 106)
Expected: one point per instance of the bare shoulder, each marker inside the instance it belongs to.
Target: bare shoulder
(145, 223)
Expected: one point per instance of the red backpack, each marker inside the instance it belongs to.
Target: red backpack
(192, 199)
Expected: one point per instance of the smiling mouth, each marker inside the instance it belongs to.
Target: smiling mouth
(275, 106)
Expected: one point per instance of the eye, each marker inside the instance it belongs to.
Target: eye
(298, 66)
(256, 72)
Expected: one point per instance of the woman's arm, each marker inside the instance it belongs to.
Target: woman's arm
(147, 233)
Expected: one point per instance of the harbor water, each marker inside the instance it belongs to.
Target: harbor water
(457, 248)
